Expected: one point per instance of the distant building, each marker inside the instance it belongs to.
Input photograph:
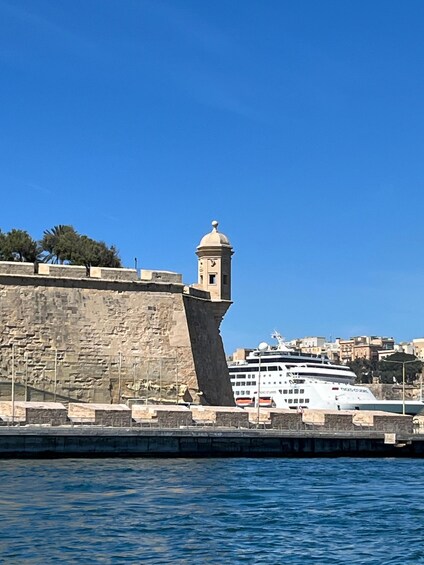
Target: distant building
(365, 347)
(310, 345)
(240, 354)
(332, 350)
(418, 347)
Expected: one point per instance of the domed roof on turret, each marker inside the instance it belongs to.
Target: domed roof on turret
(214, 238)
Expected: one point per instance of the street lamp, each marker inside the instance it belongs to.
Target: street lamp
(263, 346)
(403, 363)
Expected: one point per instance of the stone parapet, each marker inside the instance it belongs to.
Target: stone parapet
(284, 419)
(110, 274)
(53, 413)
(62, 271)
(114, 415)
(225, 416)
(197, 292)
(383, 421)
(161, 276)
(264, 416)
(341, 420)
(171, 416)
(16, 268)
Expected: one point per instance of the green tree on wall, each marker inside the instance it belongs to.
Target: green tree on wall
(18, 245)
(61, 244)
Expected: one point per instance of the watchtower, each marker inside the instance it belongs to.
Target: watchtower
(214, 269)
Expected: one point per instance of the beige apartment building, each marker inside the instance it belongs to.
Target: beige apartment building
(310, 345)
(364, 347)
(418, 347)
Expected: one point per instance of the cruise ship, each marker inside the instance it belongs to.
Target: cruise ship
(281, 377)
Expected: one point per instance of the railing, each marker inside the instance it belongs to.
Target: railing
(302, 430)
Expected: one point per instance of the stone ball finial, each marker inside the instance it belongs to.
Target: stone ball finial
(214, 238)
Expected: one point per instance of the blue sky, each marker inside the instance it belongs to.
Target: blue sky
(297, 124)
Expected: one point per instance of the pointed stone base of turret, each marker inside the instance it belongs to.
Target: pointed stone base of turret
(220, 308)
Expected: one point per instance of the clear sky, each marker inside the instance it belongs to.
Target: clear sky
(297, 124)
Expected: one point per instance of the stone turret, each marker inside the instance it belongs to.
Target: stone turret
(214, 269)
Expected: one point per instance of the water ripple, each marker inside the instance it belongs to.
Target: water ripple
(212, 511)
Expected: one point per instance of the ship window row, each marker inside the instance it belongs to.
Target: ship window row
(288, 359)
(264, 369)
(326, 374)
(289, 401)
(298, 401)
(245, 383)
(275, 368)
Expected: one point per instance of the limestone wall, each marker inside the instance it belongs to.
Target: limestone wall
(208, 351)
(109, 339)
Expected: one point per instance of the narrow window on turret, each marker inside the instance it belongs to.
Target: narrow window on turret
(212, 279)
(225, 279)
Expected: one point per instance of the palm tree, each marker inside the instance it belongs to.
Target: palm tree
(59, 243)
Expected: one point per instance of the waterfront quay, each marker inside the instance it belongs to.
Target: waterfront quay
(50, 429)
(96, 441)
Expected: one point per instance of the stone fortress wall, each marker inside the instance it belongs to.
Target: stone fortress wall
(108, 335)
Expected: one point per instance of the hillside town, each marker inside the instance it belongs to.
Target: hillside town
(366, 347)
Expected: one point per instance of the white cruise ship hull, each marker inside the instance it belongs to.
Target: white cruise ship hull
(412, 407)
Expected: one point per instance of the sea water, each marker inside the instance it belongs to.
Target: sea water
(195, 511)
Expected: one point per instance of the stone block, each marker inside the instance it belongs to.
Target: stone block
(161, 276)
(197, 292)
(284, 419)
(164, 415)
(16, 268)
(383, 421)
(395, 423)
(107, 273)
(62, 271)
(225, 416)
(264, 415)
(418, 423)
(339, 421)
(117, 415)
(53, 413)
(336, 420)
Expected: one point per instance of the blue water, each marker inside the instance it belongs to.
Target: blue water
(324, 511)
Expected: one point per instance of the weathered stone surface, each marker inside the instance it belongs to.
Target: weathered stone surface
(162, 415)
(264, 415)
(383, 421)
(283, 419)
(208, 353)
(221, 416)
(161, 276)
(98, 340)
(16, 268)
(108, 273)
(341, 420)
(65, 271)
(100, 414)
(52, 413)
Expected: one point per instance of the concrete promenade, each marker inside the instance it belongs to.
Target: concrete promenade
(96, 441)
